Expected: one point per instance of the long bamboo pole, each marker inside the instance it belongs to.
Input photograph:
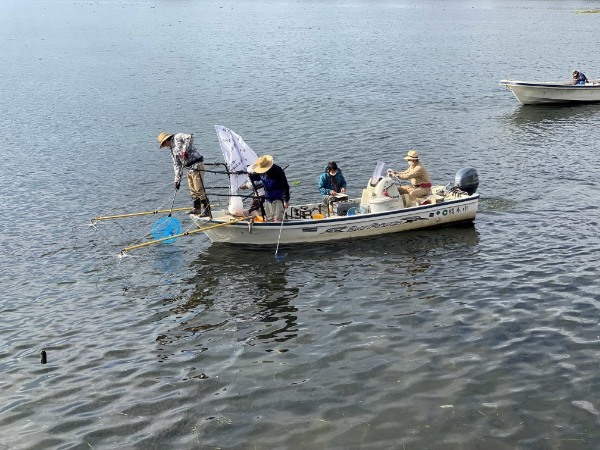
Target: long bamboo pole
(158, 241)
(144, 213)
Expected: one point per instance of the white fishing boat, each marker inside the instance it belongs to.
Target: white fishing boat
(306, 224)
(380, 210)
(535, 93)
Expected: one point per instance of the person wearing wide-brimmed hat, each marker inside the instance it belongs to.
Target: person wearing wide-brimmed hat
(417, 174)
(579, 77)
(185, 155)
(275, 184)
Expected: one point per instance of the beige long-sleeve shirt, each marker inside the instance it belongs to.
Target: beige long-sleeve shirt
(416, 174)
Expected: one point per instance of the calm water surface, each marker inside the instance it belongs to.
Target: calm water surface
(484, 337)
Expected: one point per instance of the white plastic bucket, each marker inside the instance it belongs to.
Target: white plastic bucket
(236, 207)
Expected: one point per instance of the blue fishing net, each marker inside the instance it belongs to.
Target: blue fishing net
(165, 227)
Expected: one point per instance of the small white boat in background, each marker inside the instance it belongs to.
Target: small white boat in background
(536, 93)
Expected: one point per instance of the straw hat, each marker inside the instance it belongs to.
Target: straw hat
(412, 156)
(162, 137)
(262, 164)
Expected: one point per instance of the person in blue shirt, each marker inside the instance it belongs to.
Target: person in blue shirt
(579, 78)
(275, 184)
(331, 182)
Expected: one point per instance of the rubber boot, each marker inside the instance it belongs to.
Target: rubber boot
(197, 207)
(205, 206)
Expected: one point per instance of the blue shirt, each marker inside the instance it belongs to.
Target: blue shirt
(275, 184)
(328, 183)
(581, 79)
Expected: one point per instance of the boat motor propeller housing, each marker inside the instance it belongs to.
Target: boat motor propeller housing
(467, 180)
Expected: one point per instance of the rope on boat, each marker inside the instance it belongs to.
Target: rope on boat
(129, 232)
(135, 200)
(158, 241)
(143, 213)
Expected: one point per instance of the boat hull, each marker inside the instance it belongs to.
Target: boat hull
(553, 92)
(339, 228)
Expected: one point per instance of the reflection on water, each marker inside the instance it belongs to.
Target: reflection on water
(237, 290)
(492, 204)
(246, 293)
(527, 115)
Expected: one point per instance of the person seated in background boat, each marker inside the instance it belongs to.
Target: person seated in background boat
(579, 78)
(331, 183)
(275, 184)
(420, 181)
(185, 155)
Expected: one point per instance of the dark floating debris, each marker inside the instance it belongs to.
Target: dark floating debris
(43, 357)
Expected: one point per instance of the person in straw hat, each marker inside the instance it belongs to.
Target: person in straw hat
(185, 155)
(417, 174)
(275, 184)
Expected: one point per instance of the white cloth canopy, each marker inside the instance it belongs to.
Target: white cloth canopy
(238, 155)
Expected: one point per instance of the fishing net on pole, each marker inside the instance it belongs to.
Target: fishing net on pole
(165, 227)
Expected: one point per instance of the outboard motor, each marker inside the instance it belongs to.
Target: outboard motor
(467, 180)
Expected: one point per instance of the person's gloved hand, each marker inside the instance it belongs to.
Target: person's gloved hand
(177, 185)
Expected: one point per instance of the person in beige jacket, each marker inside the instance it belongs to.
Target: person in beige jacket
(417, 174)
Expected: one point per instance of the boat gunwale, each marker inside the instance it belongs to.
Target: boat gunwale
(595, 84)
(341, 219)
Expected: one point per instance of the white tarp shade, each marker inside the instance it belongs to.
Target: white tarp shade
(238, 155)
